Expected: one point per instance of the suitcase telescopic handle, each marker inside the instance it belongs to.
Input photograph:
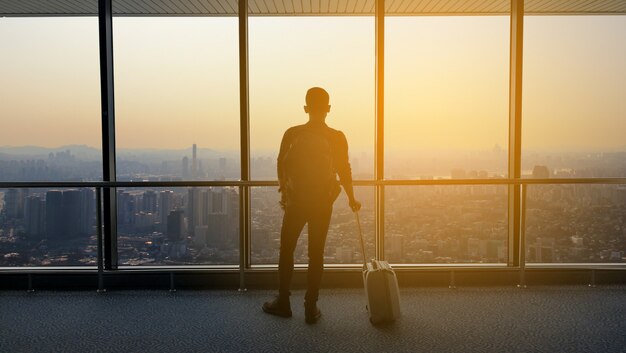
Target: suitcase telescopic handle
(358, 224)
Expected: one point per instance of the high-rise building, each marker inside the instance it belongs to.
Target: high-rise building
(194, 162)
(87, 211)
(55, 222)
(185, 167)
(175, 225)
(541, 172)
(149, 201)
(35, 216)
(542, 250)
(72, 212)
(125, 207)
(222, 217)
(194, 209)
(14, 202)
(165, 206)
(200, 236)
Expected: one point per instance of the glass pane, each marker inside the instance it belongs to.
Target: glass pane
(48, 227)
(178, 226)
(177, 98)
(342, 243)
(50, 99)
(446, 224)
(290, 55)
(574, 108)
(576, 224)
(446, 97)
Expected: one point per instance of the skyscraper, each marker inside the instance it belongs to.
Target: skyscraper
(72, 213)
(35, 216)
(185, 167)
(194, 162)
(221, 216)
(198, 206)
(149, 201)
(14, 202)
(165, 206)
(54, 214)
(125, 207)
(175, 225)
(87, 210)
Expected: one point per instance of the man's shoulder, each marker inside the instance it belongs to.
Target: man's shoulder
(295, 128)
(328, 131)
(336, 134)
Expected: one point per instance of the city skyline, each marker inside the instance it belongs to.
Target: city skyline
(199, 225)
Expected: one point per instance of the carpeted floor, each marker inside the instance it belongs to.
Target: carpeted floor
(536, 319)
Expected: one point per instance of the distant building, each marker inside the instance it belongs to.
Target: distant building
(458, 173)
(175, 225)
(194, 162)
(72, 213)
(541, 172)
(87, 216)
(35, 217)
(149, 201)
(125, 207)
(542, 251)
(14, 203)
(55, 215)
(165, 206)
(68, 213)
(185, 171)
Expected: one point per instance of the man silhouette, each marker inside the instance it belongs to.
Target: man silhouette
(311, 156)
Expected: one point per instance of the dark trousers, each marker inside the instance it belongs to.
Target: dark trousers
(318, 219)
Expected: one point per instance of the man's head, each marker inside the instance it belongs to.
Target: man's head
(317, 103)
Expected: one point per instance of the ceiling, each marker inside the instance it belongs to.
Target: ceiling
(307, 7)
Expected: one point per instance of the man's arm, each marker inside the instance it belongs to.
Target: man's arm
(285, 144)
(345, 171)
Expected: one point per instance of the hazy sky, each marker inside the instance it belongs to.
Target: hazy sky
(176, 81)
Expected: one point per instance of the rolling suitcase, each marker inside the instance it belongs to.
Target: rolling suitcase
(381, 287)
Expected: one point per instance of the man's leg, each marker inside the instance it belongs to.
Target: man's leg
(319, 221)
(293, 222)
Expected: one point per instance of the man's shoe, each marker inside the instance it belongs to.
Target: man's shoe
(279, 307)
(311, 313)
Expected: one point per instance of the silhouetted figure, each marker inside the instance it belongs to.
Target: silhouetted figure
(311, 156)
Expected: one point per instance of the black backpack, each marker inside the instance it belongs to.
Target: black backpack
(310, 168)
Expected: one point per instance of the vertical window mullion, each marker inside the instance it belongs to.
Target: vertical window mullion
(105, 32)
(515, 133)
(380, 111)
(244, 103)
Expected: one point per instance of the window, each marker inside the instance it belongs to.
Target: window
(574, 108)
(446, 97)
(446, 224)
(47, 227)
(576, 224)
(290, 55)
(177, 98)
(178, 226)
(342, 243)
(50, 100)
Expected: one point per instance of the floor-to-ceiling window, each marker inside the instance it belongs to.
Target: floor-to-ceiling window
(49, 132)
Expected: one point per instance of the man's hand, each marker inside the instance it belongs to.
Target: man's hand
(283, 199)
(355, 205)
